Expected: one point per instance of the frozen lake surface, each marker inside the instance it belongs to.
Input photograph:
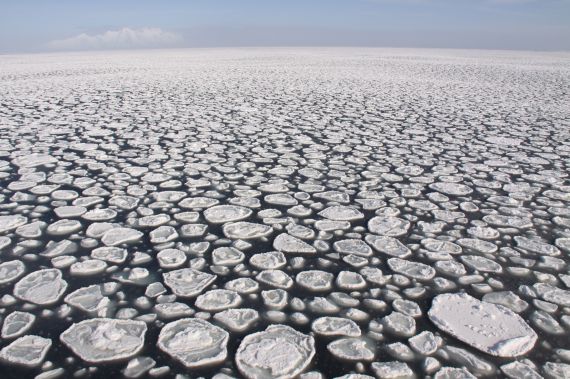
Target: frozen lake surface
(278, 213)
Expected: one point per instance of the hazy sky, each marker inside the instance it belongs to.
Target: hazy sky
(49, 25)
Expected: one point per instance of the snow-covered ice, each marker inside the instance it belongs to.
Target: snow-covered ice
(289, 213)
(491, 328)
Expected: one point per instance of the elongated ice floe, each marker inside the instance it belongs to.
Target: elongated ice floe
(8, 223)
(220, 214)
(353, 246)
(118, 236)
(455, 189)
(493, 329)
(412, 269)
(335, 326)
(388, 226)
(341, 213)
(34, 160)
(246, 230)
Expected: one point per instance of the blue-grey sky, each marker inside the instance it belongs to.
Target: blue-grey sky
(50, 25)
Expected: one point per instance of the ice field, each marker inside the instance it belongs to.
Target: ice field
(284, 213)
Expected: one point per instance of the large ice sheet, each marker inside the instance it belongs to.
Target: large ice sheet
(491, 328)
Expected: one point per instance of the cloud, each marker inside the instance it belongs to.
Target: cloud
(124, 38)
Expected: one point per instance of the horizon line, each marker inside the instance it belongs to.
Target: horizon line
(276, 47)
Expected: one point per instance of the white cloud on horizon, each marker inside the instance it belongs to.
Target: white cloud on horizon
(125, 38)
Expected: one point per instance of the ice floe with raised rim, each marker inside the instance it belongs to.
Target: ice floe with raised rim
(278, 352)
(238, 319)
(88, 299)
(335, 326)
(388, 245)
(353, 246)
(275, 278)
(194, 342)
(388, 226)
(399, 324)
(246, 230)
(11, 270)
(16, 324)
(42, 287)
(188, 282)
(352, 349)
(268, 261)
(29, 351)
(286, 243)
(315, 280)
(218, 300)
(221, 214)
(415, 270)
(100, 340)
(119, 236)
(341, 213)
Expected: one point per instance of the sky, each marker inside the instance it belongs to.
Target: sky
(63, 25)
